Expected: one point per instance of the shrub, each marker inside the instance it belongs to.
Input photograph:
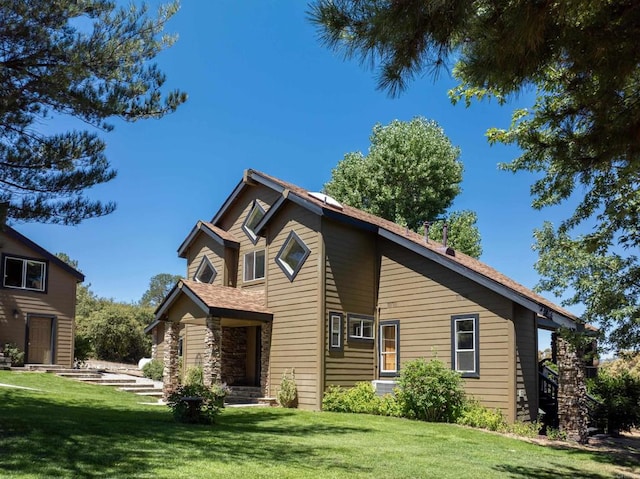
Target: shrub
(288, 392)
(360, 399)
(194, 376)
(430, 391)
(475, 415)
(619, 393)
(14, 353)
(203, 406)
(153, 370)
(525, 429)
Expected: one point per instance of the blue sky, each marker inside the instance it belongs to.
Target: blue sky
(264, 94)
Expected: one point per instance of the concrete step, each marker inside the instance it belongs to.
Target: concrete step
(245, 392)
(79, 375)
(140, 389)
(153, 394)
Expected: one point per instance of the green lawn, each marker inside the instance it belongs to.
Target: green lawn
(70, 430)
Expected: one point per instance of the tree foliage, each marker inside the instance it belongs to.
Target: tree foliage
(581, 134)
(82, 59)
(411, 174)
(159, 287)
(607, 284)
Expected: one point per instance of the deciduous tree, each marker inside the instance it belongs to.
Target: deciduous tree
(159, 287)
(88, 60)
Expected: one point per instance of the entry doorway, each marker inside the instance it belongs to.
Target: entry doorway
(40, 340)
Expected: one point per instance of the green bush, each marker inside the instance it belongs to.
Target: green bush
(430, 391)
(288, 392)
(360, 399)
(619, 393)
(525, 429)
(194, 376)
(202, 405)
(14, 353)
(475, 415)
(153, 370)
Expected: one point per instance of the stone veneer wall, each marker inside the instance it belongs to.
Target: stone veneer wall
(234, 356)
(573, 413)
(265, 350)
(211, 368)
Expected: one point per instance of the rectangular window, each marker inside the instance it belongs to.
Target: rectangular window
(360, 327)
(389, 348)
(254, 265)
(465, 345)
(24, 273)
(335, 332)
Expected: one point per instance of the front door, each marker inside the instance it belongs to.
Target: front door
(39, 340)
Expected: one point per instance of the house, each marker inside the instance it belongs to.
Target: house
(282, 278)
(37, 300)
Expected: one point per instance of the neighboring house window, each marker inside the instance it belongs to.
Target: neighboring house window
(465, 345)
(292, 255)
(336, 342)
(254, 265)
(205, 273)
(252, 220)
(389, 348)
(360, 327)
(24, 273)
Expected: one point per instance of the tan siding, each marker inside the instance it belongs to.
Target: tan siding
(214, 251)
(350, 285)
(59, 301)
(295, 306)
(193, 345)
(526, 364)
(423, 296)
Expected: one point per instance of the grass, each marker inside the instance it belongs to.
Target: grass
(70, 430)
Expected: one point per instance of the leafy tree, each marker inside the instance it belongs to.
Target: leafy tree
(116, 331)
(607, 284)
(410, 175)
(82, 59)
(462, 232)
(581, 134)
(159, 287)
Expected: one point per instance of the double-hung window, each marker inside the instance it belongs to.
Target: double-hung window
(389, 348)
(24, 273)
(336, 341)
(360, 327)
(465, 345)
(254, 265)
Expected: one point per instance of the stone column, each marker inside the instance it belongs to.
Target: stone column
(170, 373)
(265, 349)
(211, 368)
(573, 413)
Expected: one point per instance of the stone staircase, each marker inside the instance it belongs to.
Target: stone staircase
(243, 395)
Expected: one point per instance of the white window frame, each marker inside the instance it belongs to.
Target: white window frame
(253, 254)
(255, 210)
(362, 320)
(336, 338)
(203, 264)
(475, 349)
(396, 325)
(289, 270)
(25, 264)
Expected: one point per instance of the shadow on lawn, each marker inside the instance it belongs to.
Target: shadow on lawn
(547, 472)
(41, 437)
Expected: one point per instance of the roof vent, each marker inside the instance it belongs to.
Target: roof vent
(326, 199)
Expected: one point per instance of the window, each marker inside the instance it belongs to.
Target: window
(251, 221)
(335, 332)
(389, 348)
(292, 255)
(360, 327)
(464, 347)
(254, 265)
(24, 273)
(205, 273)
(180, 346)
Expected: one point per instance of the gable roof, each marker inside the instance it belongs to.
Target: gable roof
(216, 300)
(9, 231)
(454, 260)
(217, 234)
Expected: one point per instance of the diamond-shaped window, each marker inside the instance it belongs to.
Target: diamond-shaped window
(252, 220)
(205, 273)
(292, 255)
